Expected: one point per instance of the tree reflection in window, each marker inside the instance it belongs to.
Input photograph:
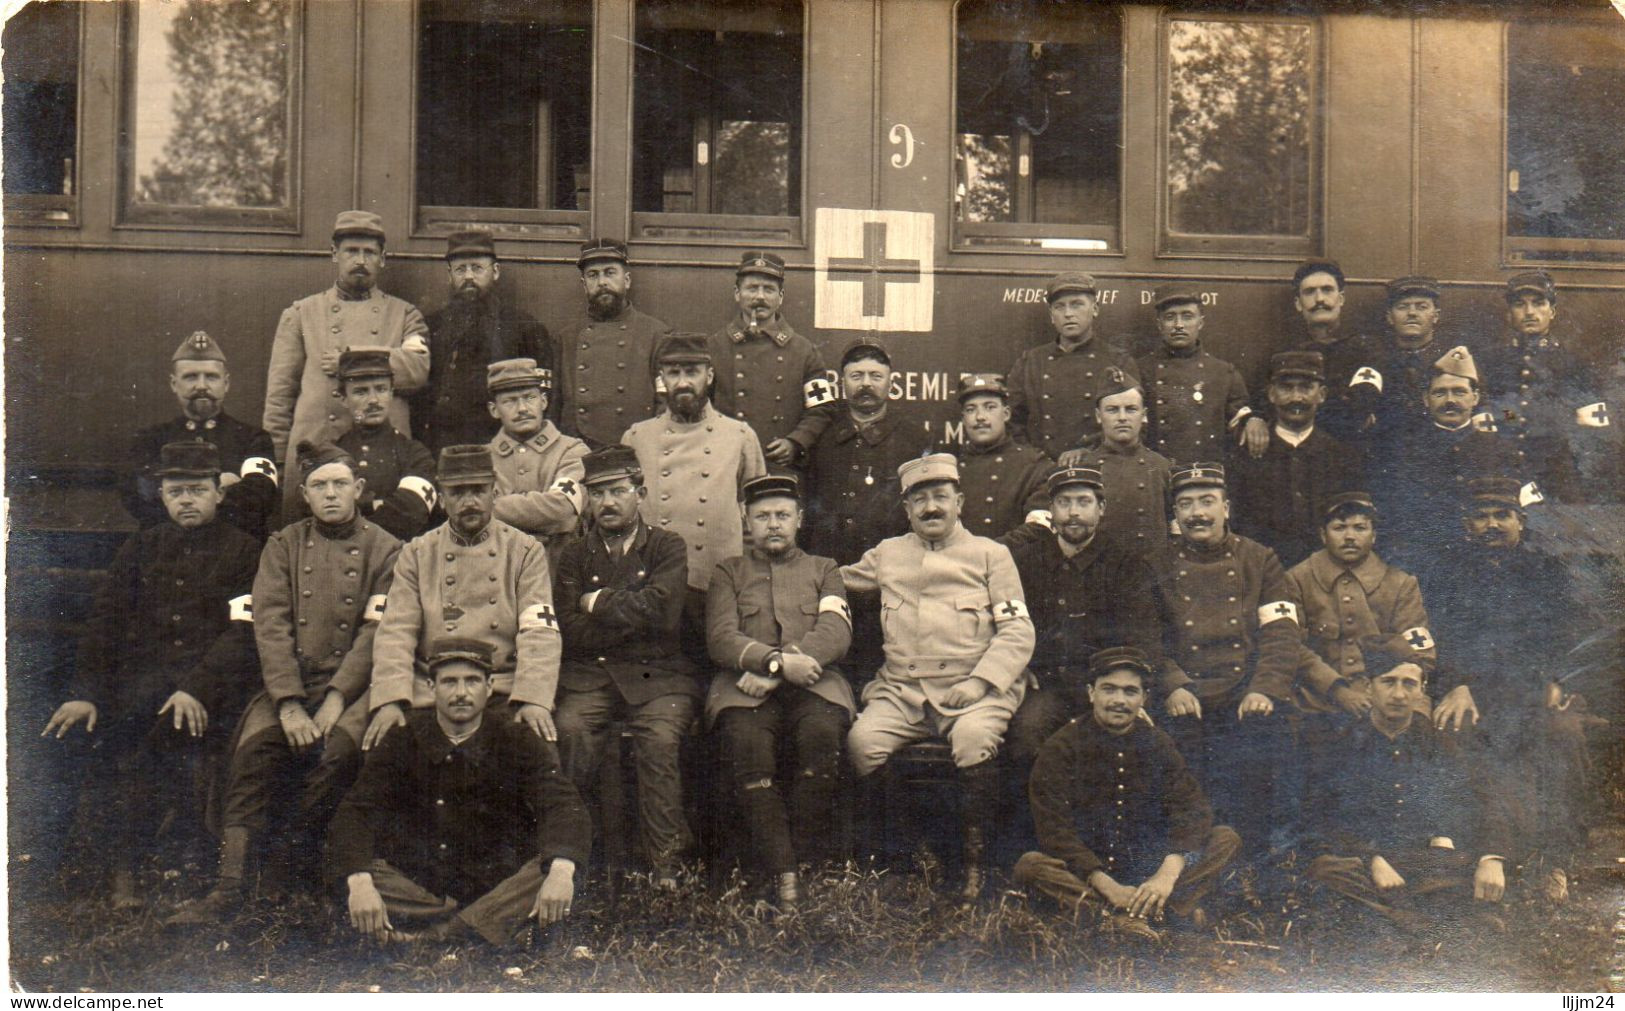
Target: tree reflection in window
(209, 112)
(1240, 123)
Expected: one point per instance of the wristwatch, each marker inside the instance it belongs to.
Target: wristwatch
(775, 664)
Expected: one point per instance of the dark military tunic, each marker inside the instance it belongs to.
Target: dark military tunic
(1546, 399)
(775, 380)
(606, 379)
(467, 337)
(1053, 393)
(1275, 499)
(1217, 634)
(400, 493)
(1354, 385)
(1118, 803)
(1421, 479)
(629, 638)
(1136, 495)
(1194, 400)
(1100, 597)
(458, 819)
(1002, 484)
(853, 502)
(1407, 373)
(251, 505)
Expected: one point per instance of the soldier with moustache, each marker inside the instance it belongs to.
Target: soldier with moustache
(607, 373)
(165, 666)
(1134, 477)
(1353, 362)
(303, 375)
(318, 596)
(477, 326)
(621, 588)
(1120, 818)
(1234, 645)
(473, 576)
(1547, 399)
(399, 491)
(199, 378)
(538, 467)
(779, 622)
(1197, 401)
(1278, 496)
(957, 641)
(767, 375)
(1002, 480)
(1054, 386)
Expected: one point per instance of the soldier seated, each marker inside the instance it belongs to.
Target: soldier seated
(1118, 814)
(1407, 818)
(399, 472)
(778, 622)
(957, 642)
(166, 662)
(319, 594)
(458, 820)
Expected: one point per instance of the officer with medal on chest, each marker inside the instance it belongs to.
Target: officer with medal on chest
(1195, 399)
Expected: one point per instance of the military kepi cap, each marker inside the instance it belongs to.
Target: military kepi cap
(974, 383)
(1197, 475)
(188, 459)
(927, 469)
(1116, 658)
(1413, 285)
(611, 463)
(1117, 381)
(869, 342)
(358, 223)
(472, 242)
(770, 486)
(473, 651)
(757, 261)
(465, 464)
(310, 458)
(1537, 281)
(1175, 293)
(1458, 361)
(1346, 502)
(1307, 364)
(199, 347)
(516, 374)
(601, 249)
(1067, 477)
(684, 349)
(367, 363)
(1070, 282)
(1494, 490)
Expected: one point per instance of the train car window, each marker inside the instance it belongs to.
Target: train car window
(1038, 106)
(1239, 138)
(41, 102)
(210, 114)
(1565, 151)
(717, 119)
(504, 116)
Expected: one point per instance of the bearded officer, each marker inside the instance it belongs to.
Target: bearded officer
(957, 642)
(473, 576)
(303, 373)
(1002, 480)
(608, 375)
(399, 491)
(538, 467)
(199, 378)
(318, 596)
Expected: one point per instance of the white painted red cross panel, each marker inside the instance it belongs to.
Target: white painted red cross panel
(874, 270)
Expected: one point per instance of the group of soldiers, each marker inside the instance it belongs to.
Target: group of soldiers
(1142, 606)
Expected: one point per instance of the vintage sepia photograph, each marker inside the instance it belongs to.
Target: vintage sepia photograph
(907, 496)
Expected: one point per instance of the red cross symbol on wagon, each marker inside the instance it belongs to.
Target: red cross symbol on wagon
(874, 269)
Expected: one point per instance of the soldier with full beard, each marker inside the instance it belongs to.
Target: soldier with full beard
(607, 374)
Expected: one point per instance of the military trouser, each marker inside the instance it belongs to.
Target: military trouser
(1246, 767)
(265, 768)
(1050, 704)
(1437, 882)
(1051, 876)
(658, 725)
(814, 728)
(496, 916)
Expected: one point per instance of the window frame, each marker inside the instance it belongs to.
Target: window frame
(1520, 251)
(433, 221)
(128, 213)
(689, 228)
(1028, 237)
(58, 210)
(1202, 245)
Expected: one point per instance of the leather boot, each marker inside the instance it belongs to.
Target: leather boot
(979, 806)
(227, 895)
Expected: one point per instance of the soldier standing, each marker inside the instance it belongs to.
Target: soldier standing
(1354, 382)
(1135, 478)
(1002, 480)
(1195, 398)
(538, 467)
(399, 492)
(608, 375)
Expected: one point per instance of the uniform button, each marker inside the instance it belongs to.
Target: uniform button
(180, 642)
(174, 617)
(450, 557)
(344, 626)
(439, 802)
(307, 568)
(305, 593)
(302, 621)
(699, 523)
(349, 600)
(493, 600)
(451, 580)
